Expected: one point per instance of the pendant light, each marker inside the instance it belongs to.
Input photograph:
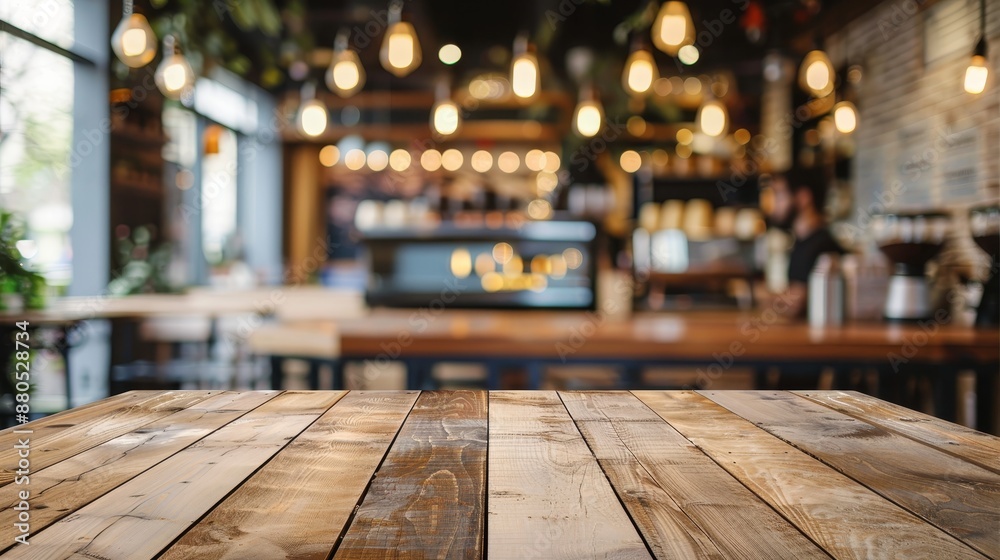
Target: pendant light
(588, 118)
(312, 118)
(640, 70)
(525, 78)
(816, 75)
(345, 76)
(977, 73)
(445, 116)
(174, 76)
(673, 27)
(713, 118)
(133, 41)
(845, 114)
(845, 117)
(400, 53)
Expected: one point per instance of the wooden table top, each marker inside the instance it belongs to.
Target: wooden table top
(694, 335)
(519, 475)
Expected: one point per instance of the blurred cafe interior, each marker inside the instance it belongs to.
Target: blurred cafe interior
(545, 194)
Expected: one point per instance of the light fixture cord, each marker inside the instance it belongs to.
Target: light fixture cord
(340, 43)
(127, 8)
(982, 19)
(395, 11)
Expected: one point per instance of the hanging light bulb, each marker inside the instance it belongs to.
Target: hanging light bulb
(816, 74)
(400, 53)
(713, 118)
(445, 117)
(589, 115)
(640, 72)
(845, 117)
(977, 72)
(174, 76)
(673, 27)
(525, 79)
(133, 41)
(312, 118)
(345, 76)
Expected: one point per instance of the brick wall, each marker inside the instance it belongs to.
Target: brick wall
(922, 141)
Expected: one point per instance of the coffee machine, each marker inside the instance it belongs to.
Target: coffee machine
(984, 224)
(909, 240)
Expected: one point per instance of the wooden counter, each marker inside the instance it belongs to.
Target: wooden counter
(518, 475)
(653, 336)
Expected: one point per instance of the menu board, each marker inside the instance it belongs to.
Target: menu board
(960, 155)
(915, 166)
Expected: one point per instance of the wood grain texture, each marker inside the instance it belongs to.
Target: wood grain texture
(76, 414)
(141, 517)
(961, 498)
(684, 504)
(64, 439)
(69, 485)
(973, 446)
(847, 519)
(427, 499)
(297, 505)
(548, 498)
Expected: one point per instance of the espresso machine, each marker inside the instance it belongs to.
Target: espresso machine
(984, 224)
(909, 240)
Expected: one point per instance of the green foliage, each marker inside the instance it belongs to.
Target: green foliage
(143, 265)
(14, 277)
(206, 36)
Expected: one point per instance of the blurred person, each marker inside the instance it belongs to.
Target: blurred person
(796, 203)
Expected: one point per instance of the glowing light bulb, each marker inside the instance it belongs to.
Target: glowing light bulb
(525, 79)
(588, 118)
(630, 161)
(378, 160)
(133, 41)
(346, 76)
(452, 159)
(713, 118)
(816, 74)
(174, 75)
(400, 53)
(845, 117)
(445, 119)
(461, 263)
(312, 118)
(449, 54)
(640, 72)
(508, 162)
(482, 161)
(399, 160)
(688, 54)
(673, 27)
(976, 75)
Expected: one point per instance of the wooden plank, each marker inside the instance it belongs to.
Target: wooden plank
(141, 517)
(76, 414)
(685, 505)
(955, 495)
(847, 519)
(298, 504)
(427, 499)
(972, 445)
(59, 441)
(68, 485)
(548, 498)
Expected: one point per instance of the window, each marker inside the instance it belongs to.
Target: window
(36, 132)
